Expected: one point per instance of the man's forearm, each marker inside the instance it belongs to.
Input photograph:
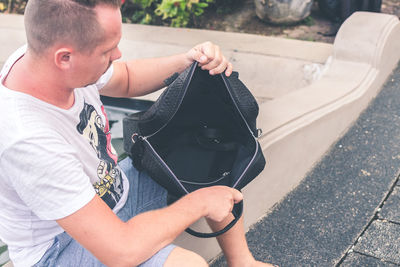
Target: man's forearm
(148, 75)
(153, 230)
(143, 76)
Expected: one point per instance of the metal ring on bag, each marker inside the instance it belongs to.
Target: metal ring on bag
(134, 137)
(259, 132)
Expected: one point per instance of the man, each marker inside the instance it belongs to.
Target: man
(64, 199)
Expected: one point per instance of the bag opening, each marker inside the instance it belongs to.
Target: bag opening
(206, 142)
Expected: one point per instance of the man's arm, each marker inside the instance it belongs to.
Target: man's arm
(116, 243)
(143, 76)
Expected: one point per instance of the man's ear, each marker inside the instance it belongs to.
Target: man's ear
(62, 58)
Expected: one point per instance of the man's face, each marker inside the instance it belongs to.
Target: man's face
(92, 65)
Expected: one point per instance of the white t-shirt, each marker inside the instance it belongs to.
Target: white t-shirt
(52, 163)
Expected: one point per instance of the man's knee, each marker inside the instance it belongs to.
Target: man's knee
(184, 257)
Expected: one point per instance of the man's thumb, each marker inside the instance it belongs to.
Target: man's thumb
(199, 57)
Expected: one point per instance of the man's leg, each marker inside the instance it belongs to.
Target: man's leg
(183, 257)
(234, 245)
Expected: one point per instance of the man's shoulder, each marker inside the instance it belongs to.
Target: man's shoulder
(12, 59)
(21, 120)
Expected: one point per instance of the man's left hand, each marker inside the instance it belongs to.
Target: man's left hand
(210, 58)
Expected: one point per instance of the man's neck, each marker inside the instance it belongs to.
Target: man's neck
(30, 77)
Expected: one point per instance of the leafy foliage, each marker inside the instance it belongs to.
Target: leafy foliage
(175, 13)
(13, 6)
(180, 11)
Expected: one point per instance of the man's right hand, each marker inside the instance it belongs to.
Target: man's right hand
(218, 201)
(99, 230)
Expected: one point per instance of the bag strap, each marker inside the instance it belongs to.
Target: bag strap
(237, 213)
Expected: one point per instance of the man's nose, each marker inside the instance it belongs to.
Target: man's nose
(116, 54)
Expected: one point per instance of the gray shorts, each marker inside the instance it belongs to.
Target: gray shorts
(144, 195)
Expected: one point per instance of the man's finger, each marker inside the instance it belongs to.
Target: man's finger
(208, 49)
(199, 56)
(229, 69)
(220, 68)
(237, 195)
(214, 62)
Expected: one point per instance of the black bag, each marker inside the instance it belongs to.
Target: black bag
(200, 132)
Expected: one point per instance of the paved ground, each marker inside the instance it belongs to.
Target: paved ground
(346, 212)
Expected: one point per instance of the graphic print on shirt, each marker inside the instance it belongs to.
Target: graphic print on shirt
(91, 126)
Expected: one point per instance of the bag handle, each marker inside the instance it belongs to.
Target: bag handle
(237, 212)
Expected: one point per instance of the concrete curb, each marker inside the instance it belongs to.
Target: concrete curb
(300, 126)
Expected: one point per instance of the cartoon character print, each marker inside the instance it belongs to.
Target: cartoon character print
(91, 126)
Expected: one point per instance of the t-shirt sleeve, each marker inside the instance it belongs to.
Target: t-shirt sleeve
(47, 176)
(105, 78)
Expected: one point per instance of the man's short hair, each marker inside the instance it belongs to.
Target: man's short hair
(72, 22)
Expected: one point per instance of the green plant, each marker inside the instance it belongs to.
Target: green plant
(13, 6)
(176, 13)
(180, 12)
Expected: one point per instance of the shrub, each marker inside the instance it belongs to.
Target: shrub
(176, 13)
(13, 6)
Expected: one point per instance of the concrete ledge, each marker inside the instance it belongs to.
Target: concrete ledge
(300, 126)
(300, 117)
